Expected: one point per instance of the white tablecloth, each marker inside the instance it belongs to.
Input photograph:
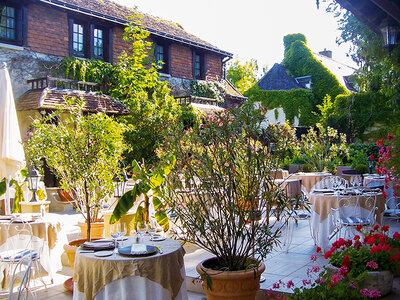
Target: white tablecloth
(322, 223)
(48, 240)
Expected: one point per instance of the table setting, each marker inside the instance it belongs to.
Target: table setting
(324, 200)
(142, 266)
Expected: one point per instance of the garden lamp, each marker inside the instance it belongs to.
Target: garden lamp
(33, 178)
(119, 184)
(371, 164)
(390, 33)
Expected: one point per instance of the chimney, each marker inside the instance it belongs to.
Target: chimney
(327, 53)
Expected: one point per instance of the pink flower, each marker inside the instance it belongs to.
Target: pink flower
(370, 294)
(306, 282)
(352, 285)
(336, 278)
(320, 279)
(277, 285)
(373, 265)
(314, 257)
(289, 284)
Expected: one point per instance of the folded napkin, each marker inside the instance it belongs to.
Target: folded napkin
(139, 249)
(18, 254)
(106, 245)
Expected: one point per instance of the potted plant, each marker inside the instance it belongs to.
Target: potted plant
(225, 198)
(83, 150)
(371, 255)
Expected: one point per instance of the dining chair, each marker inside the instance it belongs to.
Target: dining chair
(20, 244)
(351, 213)
(330, 182)
(392, 208)
(301, 211)
(22, 275)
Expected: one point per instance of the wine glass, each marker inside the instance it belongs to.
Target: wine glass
(122, 232)
(114, 231)
(151, 229)
(141, 228)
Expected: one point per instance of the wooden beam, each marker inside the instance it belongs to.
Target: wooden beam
(391, 8)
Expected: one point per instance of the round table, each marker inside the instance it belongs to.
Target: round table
(291, 186)
(322, 218)
(308, 180)
(159, 276)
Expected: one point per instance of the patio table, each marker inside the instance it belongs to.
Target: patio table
(48, 240)
(322, 218)
(292, 187)
(159, 276)
(308, 180)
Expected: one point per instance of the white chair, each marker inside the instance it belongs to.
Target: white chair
(351, 214)
(20, 245)
(22, 275)
(392, 208)
(301, 212)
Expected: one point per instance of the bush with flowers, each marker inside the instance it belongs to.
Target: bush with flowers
(354, 259)
(389, 161)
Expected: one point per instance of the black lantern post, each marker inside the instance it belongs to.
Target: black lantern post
(33, 178)
(371, 164)
(390, 33)
(119, 184)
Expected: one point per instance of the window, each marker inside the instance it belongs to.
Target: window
(162, 57)
(89, 40)
(77, 40)
(12, 18)
(198, 65)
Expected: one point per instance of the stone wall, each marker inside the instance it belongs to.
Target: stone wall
(24, 65)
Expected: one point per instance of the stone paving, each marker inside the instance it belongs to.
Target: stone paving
(280, 265)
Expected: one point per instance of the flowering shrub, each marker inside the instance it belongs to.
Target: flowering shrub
(321, 284)
(389, 161)
(370, 254)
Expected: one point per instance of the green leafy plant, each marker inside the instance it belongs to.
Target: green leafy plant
(208, 89)
(148, 183)
(83, 151)
(18, 184)
(323, 147)
(220, 183)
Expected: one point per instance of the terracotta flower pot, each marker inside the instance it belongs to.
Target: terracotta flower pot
(96, 229)
(232, 285)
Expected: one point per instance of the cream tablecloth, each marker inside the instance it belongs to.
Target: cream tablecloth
(48, 240)
(322, 219)
(291, 186)
(308, 180)
(160, 276)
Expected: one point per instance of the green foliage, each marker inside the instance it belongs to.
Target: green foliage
(289, 39)
(222, 172)
(361, 169)
(359, 153)
(83, 151)
(134, 81)
(300, 61)
(148, 183)
(242, 76)
(208, 89)
(323, 148)
(295, 103)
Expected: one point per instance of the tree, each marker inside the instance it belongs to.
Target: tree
(242, 76)
(134, 81)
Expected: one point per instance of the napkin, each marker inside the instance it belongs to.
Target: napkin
(98, 245)
(139, 249)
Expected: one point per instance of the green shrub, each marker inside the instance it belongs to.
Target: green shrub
(361, 169)
(307, 168)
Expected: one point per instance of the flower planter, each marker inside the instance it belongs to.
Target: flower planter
(381, 281)
(232, 285)
(96, 229)
(70, 250)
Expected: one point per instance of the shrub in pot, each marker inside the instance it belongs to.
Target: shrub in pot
(221, 180)
(83, 151)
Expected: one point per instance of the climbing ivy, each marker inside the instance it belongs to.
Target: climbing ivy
(208, 89)
(300, 61)
(295, 103)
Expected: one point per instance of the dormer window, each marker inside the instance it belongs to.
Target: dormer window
(89, 40)
(161, 55)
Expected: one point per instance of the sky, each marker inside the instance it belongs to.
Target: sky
(251, 29)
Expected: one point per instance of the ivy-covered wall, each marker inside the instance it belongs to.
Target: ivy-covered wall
(300, 61)
(295, 103)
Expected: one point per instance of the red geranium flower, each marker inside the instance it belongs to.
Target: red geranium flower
(328, 254)
(396, 235)
(385, 228)
(359, 227)
(346, 260)
(319, 249)
(371, 157)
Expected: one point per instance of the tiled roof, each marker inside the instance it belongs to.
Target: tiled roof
(114, 12)
(276, 79)
(232, 92)
(51, 98)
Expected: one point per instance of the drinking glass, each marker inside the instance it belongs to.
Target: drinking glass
(114, 231)
(122, 232)
(141, 228)
(151, 229)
